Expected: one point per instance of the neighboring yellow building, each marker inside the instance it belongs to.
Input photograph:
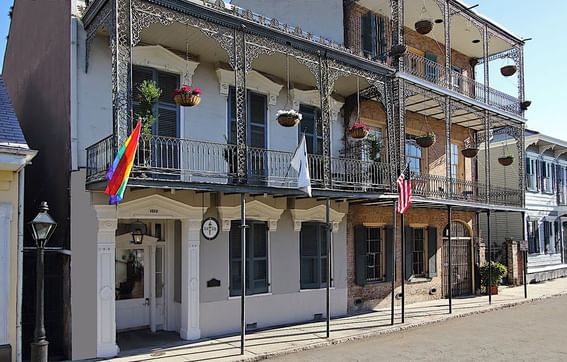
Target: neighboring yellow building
(14, 156)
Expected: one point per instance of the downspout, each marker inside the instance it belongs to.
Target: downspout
(73, 95)
(20, 264)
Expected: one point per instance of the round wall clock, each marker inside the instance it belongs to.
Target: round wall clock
(210, 228)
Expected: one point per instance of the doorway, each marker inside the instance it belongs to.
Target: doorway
(461, 260)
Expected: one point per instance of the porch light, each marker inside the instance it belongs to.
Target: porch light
(138, 231)
(42, 226)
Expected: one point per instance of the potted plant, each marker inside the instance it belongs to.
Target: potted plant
(491, 274)
(426, 140)
(148, 95)
(358, 131)
(506, 160)
(288, 118)
(508, 70)
(424, 26)
(470, 152)
(187, 96)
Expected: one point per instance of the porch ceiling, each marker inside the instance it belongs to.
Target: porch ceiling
(463, 32)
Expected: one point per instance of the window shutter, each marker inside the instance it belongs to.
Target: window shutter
(432, 250)
(365, 33)
(389, 253)
(409, 252)
(361, 252)
(381, 47)
(373, 34)
(538, 175)
(430, 70)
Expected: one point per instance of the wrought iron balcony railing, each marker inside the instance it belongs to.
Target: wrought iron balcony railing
(174, 159)
(440, 187)
(164, 159)
(435, 73)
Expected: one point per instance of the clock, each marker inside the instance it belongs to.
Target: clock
(210, 228)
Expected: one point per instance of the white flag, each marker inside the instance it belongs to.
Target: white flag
(300, 164)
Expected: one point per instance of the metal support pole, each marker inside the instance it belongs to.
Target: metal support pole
(392, 306)
(328, 243)
(243, 227)
(450, 268)
(403, 267)
(525, 256)
(39, 345)
(488, 286)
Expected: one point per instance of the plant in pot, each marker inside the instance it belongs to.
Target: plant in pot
(187, 96)
(508, 70)
(427, 140)
(358, 131)
(470, 150)
(288, 118)
(506, 160)
(491, 274)
(148, 96)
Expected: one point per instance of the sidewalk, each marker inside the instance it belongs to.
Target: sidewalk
(263, 344)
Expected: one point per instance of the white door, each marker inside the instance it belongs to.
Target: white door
(160, 287)
(132, 288)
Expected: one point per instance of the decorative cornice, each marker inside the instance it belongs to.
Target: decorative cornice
(255, 210)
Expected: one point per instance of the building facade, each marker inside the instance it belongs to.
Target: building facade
(198, 165)
(14, 156)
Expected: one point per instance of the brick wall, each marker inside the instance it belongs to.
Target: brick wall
(378, 294)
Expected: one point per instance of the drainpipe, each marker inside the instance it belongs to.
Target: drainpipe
(20, 264)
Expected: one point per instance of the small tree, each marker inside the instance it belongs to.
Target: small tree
(148, 95)
(491, 273)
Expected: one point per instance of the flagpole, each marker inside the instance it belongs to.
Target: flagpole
(328, 243)
(242, 272)
(403, 237)
(394, 216)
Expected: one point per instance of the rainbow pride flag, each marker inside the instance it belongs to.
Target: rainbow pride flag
(119, 172)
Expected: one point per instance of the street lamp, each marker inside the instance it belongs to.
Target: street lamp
(42, 227)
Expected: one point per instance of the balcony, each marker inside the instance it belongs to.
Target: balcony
(436, 73)
(174, 160)
(442, 188)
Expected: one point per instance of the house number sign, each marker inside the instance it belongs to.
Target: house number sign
(210, 228)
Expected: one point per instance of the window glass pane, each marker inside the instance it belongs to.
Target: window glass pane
(260, 242)
(129, 269)
(308, 240)
(308, 271)
(257, 104)
(260, 270)
(232, 115)
(257, 137)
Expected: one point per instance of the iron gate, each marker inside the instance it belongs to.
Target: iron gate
(461, 261)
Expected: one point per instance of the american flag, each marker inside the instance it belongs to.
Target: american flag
(404, 191)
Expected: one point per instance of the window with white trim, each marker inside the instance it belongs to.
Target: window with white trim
(547, 176)
(531, 174)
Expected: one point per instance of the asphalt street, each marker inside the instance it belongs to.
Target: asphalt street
(531, 332)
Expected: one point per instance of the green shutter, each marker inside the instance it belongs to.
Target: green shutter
(432, 251)
(361, 254)
(409, 252)
(430, 69)
(389, 263)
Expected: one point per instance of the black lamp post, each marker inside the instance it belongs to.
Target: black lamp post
(42, 227)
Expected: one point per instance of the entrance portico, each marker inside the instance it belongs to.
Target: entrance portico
(183, 318)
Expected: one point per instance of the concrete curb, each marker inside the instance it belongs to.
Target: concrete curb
(395, 329)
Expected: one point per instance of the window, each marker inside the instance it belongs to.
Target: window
(418, 269)
(456, 74)
(413, 155)
(531, 174)
(415, 65)
(547, 232)
(547, 176)
(533, 237)
(256, 107)
(312, 125)
(373, 36)
(374, 255)
(561, 185)
(372, 146)
(313, 255)
(256, 258)
(431, 73)
(165, 110)
(454, 161)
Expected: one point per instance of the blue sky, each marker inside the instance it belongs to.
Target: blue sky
(545, 78)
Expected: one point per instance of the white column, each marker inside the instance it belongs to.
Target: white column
(152, 271)
(190, 240)
(106, 305)
(5, 275)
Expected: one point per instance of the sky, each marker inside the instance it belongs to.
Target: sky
(545, 79)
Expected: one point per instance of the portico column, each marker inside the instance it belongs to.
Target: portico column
(106, 311)
(190, 242)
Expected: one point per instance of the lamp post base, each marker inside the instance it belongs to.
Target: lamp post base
(39, 351)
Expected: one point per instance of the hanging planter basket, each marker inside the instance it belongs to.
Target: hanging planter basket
(470, 152)
(424, 26)
(524, 105)
(398, 50)
(506, 160)
(358, 131)
(508, 70)
(187, 100)
(289, 118)
(425, 141)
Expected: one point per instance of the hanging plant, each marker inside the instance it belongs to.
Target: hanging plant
(426, 140)
(358, 131)
(288, 118)
(187, 96)
(506, 160)
(148, 95)
(508, 70)
(469, 152)
(423, 26)
(525, 105)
